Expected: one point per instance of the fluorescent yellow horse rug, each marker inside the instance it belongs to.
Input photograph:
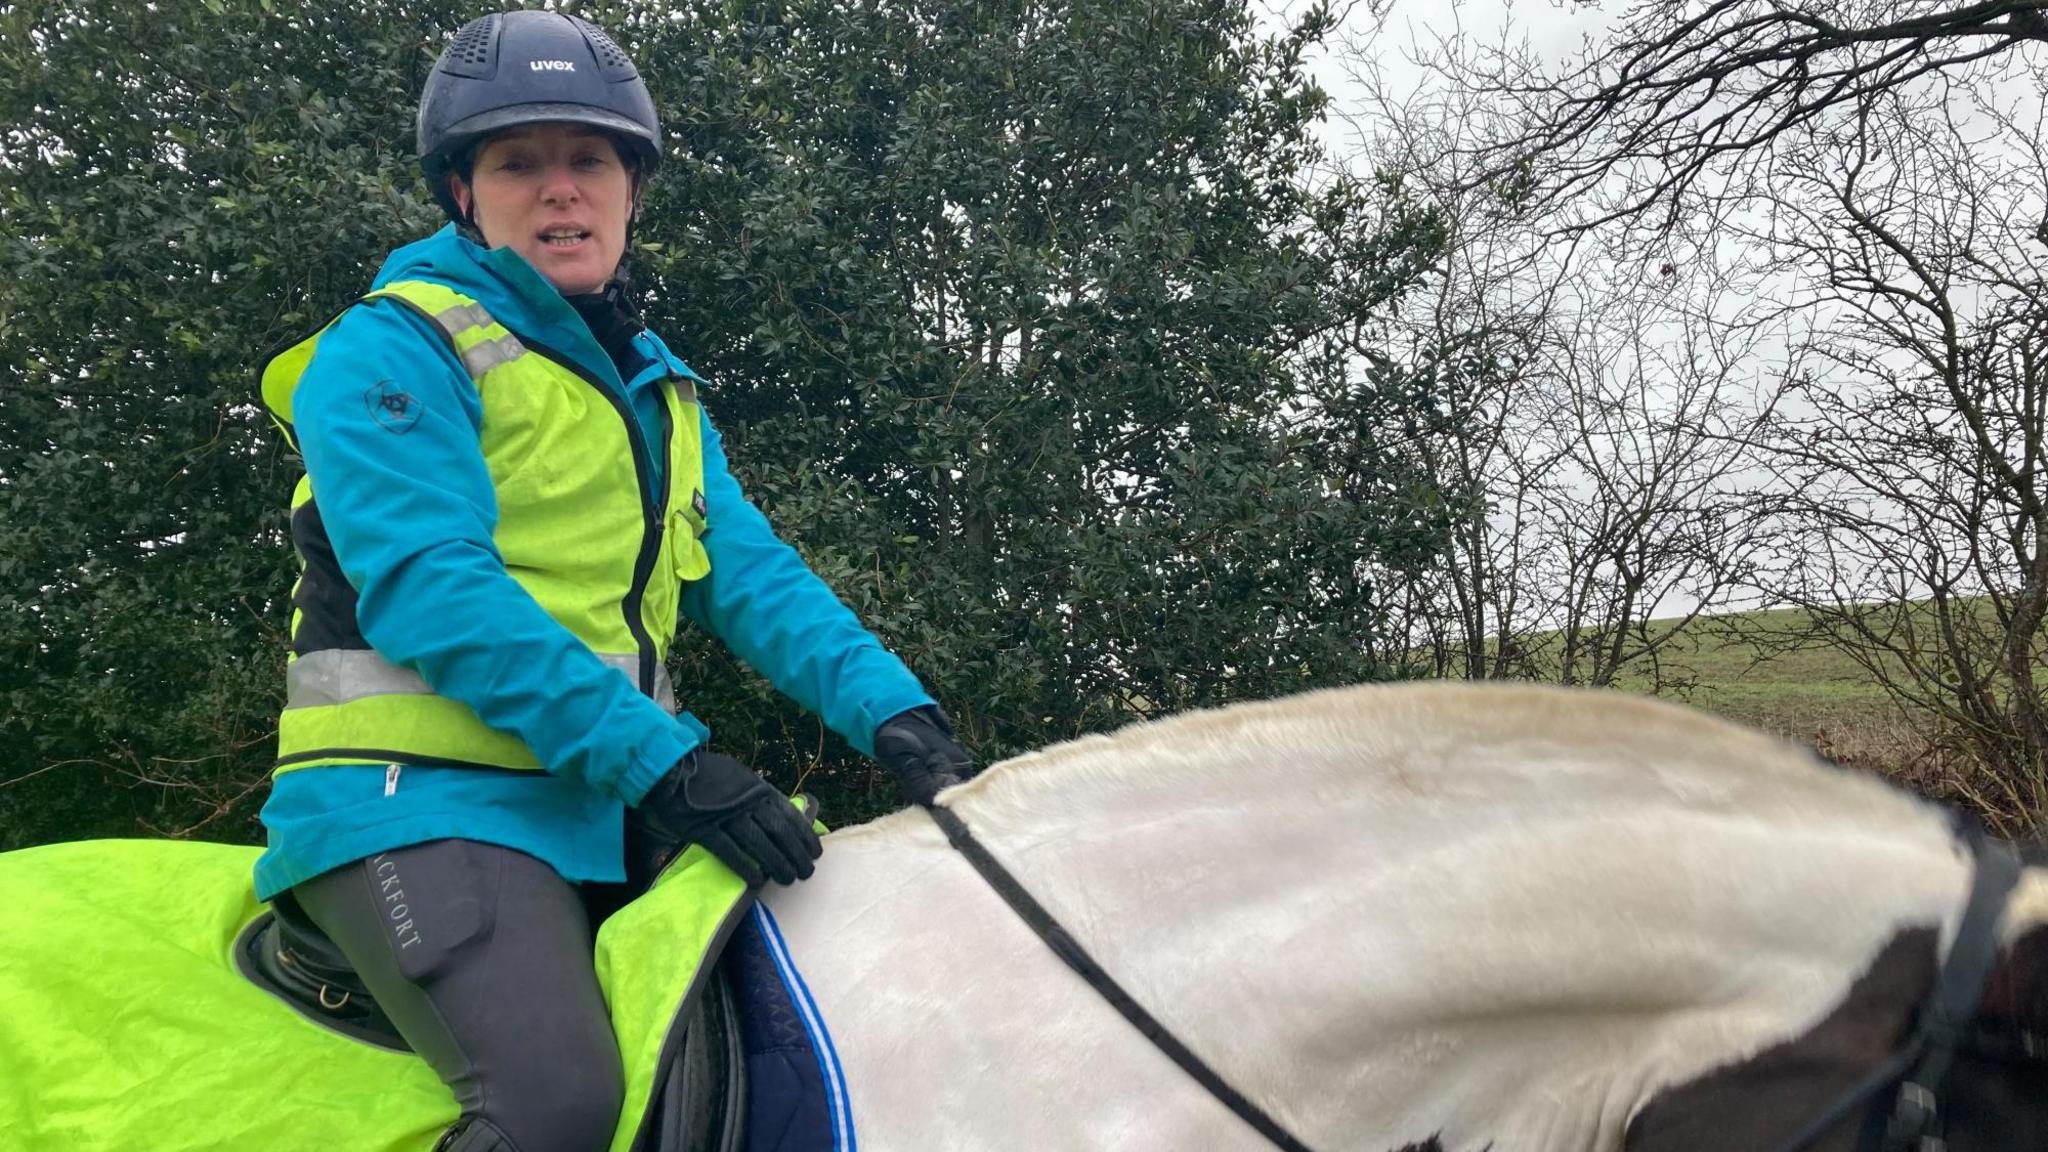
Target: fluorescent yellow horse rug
(96, 932)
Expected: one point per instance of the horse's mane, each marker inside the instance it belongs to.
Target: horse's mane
(1451, 760)
(1392, 745)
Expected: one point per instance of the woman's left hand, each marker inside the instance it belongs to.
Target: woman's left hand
(918, 749)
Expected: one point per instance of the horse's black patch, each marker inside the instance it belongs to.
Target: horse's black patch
(2016, 997)
(1765, 1099)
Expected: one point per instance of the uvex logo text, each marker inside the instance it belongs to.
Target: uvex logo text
(552, 65)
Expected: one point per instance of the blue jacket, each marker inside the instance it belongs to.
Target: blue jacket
(411, 515)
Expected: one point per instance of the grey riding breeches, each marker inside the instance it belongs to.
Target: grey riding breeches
(481, 958)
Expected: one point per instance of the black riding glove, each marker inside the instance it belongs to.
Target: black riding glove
(917, 747)
(716, 801)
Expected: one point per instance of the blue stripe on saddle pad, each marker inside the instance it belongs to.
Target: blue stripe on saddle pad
(796, 1094)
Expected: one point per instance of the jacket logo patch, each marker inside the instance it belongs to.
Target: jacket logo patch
(392, 406)
(697, 504)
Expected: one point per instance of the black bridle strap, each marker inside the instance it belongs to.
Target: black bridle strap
(1891, 1072)
(1076, 957)
(1922, 1064)
(1958, 992)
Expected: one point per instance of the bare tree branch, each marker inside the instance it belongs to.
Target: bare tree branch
(1660, 112)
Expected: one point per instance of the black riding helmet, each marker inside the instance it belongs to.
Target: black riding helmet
(513, 68)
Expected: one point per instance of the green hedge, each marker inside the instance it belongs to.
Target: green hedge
(1027, 322)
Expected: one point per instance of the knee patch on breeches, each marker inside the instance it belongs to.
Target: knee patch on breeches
(474, 1134)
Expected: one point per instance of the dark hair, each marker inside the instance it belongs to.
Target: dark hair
(463, 163)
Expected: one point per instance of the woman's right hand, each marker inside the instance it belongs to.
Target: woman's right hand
(714, 800)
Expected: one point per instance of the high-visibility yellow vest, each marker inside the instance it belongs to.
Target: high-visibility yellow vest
(601, 546)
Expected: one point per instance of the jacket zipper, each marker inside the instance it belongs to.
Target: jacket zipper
(654, 509)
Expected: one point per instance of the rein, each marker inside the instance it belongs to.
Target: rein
(1076, 957)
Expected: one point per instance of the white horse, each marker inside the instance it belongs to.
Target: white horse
(1479, 916)
(1439, 917)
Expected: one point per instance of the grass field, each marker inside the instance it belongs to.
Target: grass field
(1814, 695)
(1717, 670)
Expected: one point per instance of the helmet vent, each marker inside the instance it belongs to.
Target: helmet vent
(472, 51)
(615, 64)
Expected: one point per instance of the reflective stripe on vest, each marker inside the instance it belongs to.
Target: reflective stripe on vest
(576, 507)
(344, 675)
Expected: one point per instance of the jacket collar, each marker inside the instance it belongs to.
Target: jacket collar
(508, 287)
(516, 296)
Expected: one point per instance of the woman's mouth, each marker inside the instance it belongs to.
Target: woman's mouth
(564, 237)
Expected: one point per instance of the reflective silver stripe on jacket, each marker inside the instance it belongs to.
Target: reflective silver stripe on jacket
(462, 317)
(342, 675)
(491, 353)
(487, 355)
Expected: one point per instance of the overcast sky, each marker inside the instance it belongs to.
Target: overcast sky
(1553, 27)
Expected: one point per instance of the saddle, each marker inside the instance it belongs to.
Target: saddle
(283, 954)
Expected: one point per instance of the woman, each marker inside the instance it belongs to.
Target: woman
(511, 494)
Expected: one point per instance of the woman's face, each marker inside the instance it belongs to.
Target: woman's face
(557, 194)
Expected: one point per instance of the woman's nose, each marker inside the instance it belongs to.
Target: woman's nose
(560, 185)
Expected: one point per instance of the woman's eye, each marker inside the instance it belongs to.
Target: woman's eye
(590, 161)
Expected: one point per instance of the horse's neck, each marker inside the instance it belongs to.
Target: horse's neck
(1397, 914)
